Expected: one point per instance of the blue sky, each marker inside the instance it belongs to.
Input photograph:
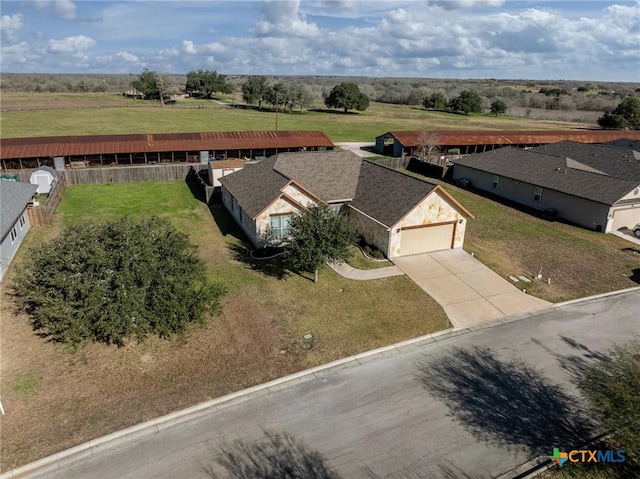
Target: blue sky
(573, 40)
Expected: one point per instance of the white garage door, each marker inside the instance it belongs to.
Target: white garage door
(628, 217)
(426, 239)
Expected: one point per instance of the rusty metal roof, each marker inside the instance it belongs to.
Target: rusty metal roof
(43, 147)
(494, 137)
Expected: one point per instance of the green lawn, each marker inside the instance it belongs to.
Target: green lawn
(138, 118)
(58, 399)
(513, 242)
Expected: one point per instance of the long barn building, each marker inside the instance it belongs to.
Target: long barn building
(145, 149)
(468, 142)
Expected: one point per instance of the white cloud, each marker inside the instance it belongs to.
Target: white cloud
(9, 26)
(61, 8)
(280, 18)
(128, 57)
(72, 45)
(459, 4)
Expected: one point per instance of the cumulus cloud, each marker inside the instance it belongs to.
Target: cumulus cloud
(71, 45)
(458, 4)
(280, 18)
(128, 57)
(10, 25)
(61, 8)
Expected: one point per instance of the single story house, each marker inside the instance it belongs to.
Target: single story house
(14, 222)
(397, 213)
(43, 178)
(468, 142)
(594, 186)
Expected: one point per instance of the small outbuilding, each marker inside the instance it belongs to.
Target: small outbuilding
(43, 178)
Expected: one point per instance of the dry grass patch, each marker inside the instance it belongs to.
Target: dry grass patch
(56, 398)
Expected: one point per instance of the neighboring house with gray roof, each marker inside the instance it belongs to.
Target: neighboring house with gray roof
(594, 186)
(14, 222)
(397, 213)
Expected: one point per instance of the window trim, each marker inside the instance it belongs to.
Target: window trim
(495, 182)
(22, 221)
(537, 191)
(281, 229)
(13, 234)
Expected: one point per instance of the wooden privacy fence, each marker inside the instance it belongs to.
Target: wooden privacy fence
(42, 215)
(127, 174)
(395, 163)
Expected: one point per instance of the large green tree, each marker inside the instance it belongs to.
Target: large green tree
(206, 83)
(318, 235)
(498, 107)
(626, 115)
(153, 85)
(435, 101)
(467, 102)
(114, 281)
(255, 90)
(612, 387)
(348, 97)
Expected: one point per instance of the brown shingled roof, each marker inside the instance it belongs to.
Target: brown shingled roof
(41, 147)
(493, 137)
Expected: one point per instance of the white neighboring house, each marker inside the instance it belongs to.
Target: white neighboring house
(14, 222)
(43, 177)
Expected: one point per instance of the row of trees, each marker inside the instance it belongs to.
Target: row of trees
(467, 102)
(256, 90)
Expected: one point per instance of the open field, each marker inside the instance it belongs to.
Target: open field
(106, 118)
(55, 399)
(513, 242)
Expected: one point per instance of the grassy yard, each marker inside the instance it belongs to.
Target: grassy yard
(117, 116)
(55, 398)
(514, 242)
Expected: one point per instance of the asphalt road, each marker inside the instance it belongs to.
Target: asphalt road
(483, 402)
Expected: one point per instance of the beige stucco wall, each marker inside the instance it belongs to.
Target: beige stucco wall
(372, 232)
(300, 196)
(281, 207)
(434, 209)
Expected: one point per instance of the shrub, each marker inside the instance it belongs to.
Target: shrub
(121, 279)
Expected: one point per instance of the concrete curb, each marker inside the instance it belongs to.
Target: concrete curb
(148, 428)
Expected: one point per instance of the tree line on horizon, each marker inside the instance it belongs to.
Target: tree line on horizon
(565, 99)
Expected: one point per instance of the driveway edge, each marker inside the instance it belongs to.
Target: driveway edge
(148, 428)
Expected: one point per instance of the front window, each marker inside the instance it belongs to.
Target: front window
(537, 194)
(281, 226)
(495, 182)
(22, 221)
(14, 234)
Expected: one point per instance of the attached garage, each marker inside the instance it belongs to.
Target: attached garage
(625, 217)
(402, 215)
(424, 239)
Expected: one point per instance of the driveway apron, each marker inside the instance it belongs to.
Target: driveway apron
(468, 291)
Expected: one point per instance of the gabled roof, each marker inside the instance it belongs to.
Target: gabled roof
(255, 186)
(515, 137)
(549, 171)
(388, 195)
(42, 147)
(609, 160)
(332, 176)
(14, 198)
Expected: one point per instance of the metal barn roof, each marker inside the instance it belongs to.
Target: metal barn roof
(43, 147)
(493, 137)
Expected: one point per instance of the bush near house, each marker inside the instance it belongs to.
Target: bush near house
(110, 282)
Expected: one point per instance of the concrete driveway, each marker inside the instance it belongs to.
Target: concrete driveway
(469, 292)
